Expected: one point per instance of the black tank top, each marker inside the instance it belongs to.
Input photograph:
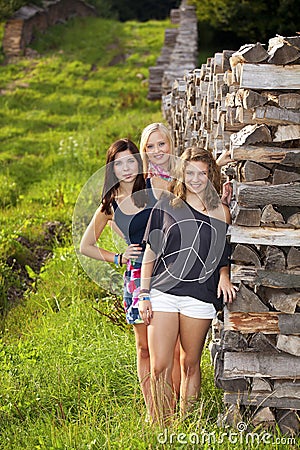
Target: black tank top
(133, 225)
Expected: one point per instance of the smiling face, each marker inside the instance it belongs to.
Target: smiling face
(195, 178)
(158, 149)
(125, 166)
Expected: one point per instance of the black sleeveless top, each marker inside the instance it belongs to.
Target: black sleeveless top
(133, 225)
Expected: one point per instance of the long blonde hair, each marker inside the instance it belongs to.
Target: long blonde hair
(147, 131)
(213, 187)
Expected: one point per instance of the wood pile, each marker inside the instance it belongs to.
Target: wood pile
(19, 30)
(246, 104)
(179, 52)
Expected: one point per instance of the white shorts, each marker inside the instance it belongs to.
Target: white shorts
(188, 306)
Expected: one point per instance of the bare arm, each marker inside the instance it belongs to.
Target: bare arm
(225, 286)
(145, 308)
(88, 244)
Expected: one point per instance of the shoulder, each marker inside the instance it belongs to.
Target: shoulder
(102, 215)
(221, 213)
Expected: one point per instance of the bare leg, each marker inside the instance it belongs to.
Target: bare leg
(176, 372)
(192, 336)
(162, 337)
(143, 363)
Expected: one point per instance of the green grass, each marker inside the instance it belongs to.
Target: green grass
(68, 376)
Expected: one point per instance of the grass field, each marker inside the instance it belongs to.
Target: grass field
(68, 376)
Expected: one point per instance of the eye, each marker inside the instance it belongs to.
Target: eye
(131, 160)
(189, 172)
(162, 144)
(117, 163)
(149, 146)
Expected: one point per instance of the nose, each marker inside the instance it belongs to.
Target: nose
(196, 177)
(156, 149)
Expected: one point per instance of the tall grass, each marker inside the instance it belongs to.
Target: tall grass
(68, 377)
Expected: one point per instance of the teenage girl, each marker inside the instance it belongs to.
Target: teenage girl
(127, 203)
(185, 276)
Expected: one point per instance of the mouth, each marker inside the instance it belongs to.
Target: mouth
(160, 156)
(195, 185)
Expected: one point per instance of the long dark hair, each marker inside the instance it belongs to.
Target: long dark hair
(111, 182)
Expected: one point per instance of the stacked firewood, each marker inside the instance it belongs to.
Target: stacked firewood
(245, 105)
(179, 52)
(26, 21)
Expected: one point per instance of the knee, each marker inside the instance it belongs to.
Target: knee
(143, 351)
(190, 367)
(160, 371)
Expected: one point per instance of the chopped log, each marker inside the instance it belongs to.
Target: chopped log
(270, 216)
(286, 279)
(289, 323)
(244, 254)
(293, 258)
(226, 60)
(287, 133)
(247, 301)
(233, 384)
(289, 344)
(251, 53)
(252, 99)
(261, 385)
(283, 301)
(263, 417)
(294, 220)
(288, 421)
(248, 217)
(285, 156)
(252, 171)
(290, 100)
(272, 115)
(283, 176)
(232, 340)
(287, 388)
(270, 76)
(264, 236)
(264, 322)
(251, 134)
(261, 364)
(244, 398)
(274, 258)
(263, 343)
(281, 51)
(283, 194)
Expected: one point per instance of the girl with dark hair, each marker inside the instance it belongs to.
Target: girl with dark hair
(185, 276)
(127, 203)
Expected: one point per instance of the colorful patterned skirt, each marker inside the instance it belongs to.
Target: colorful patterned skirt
(132, 282)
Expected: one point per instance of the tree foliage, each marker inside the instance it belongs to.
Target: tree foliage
(253, 20)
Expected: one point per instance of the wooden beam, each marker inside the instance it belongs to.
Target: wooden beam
(269, 76)
(281, 194)
(248, 322)
(244, 398)
(261, 364)
(264, 236)
(285, 279)
(263, 154)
